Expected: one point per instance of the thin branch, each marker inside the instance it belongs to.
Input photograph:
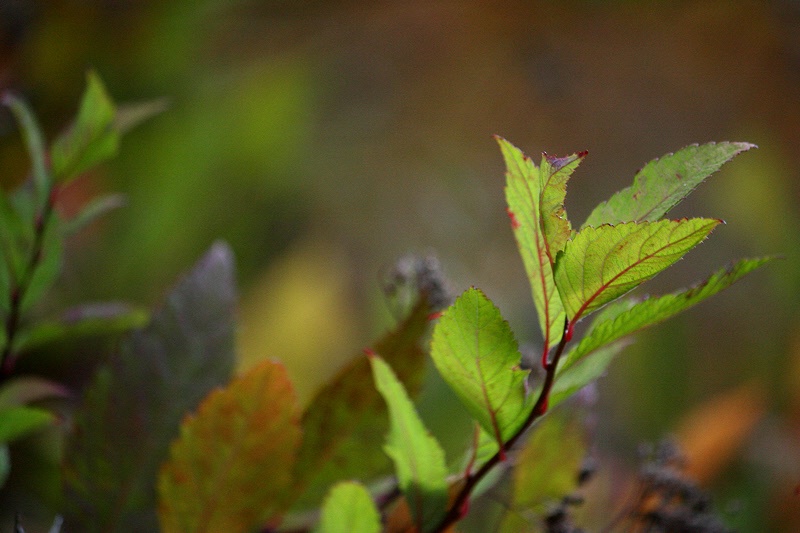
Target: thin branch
(456, 511)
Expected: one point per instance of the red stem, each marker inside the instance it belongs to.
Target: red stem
(455, 513)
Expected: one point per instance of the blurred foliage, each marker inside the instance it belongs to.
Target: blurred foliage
(354, 132)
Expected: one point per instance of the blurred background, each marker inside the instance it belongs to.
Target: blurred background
(325, 139)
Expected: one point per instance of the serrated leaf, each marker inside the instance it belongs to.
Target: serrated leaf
(19, 420)
(88, 320)
(601, 264)
(535, 198)
(664, 182)
(655, 310)
(418, 458)
(91, 139)
(343, 424)
(349, 508)
(477, 355)
(231, 468)
(96, 208)
(134, 407)
(48, 265)
(34, 140)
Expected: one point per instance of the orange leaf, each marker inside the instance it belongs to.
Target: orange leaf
(230, 469)
(713, 432)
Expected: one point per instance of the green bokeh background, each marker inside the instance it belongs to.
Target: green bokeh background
(324, 139)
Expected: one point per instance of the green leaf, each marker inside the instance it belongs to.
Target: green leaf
(535, 198)
(343, 424)
(655, 310)
(134, 406)
(349, 508)
(48, 265)
(418, 458)
(477, 355)
(601, 264)
(22, 390)
(34, 141)
(18, 421)
(93, 210)
(664, 182)
(15, 238)
(5, 464)
(92, 138)
(130, 115)
(88, 320)
(231, 468)
(546, 469)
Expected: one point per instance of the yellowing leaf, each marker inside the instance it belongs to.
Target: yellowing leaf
(535, 198)
(601, 264)
(231, 468)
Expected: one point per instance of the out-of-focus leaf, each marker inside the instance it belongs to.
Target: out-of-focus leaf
(87, 320)
(345, 421)
(655, 310)
(711, 434)
(538, 243)
(134, 407)
(231, 468)
(129, 115)
(96, 208)
(17, 421)
(477, 355)
(16, 237)
(601, 264)
(48, 266)
(349, 508)
(664, 182)
(547, 466)
(5, 464)
(34, 140)
(91, 139)
(418, 458)
(583, 373)
(22, 390)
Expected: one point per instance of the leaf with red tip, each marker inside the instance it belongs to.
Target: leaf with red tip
(664, 182)
(601, 264)
(477, 355)
(231, 468)
(535, 198)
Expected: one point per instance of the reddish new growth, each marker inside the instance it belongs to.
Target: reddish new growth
(435, 315)
(369, 353)
(513, 217)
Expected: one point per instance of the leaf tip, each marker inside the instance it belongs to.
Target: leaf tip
(370, 353)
